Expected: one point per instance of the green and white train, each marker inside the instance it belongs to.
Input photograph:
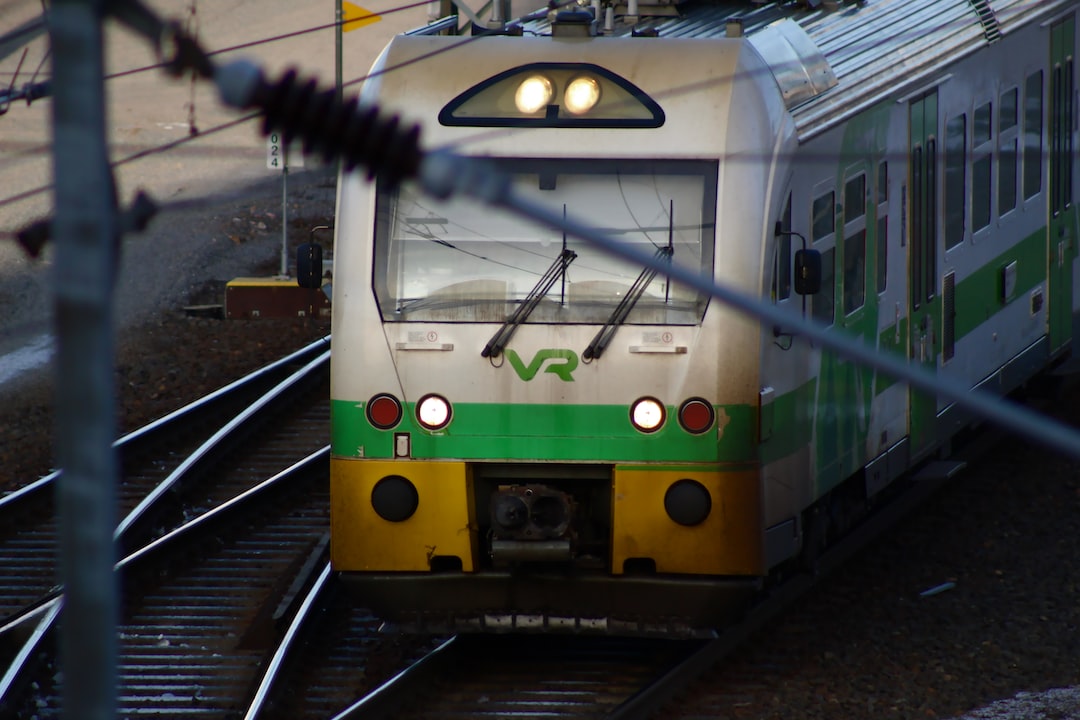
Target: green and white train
(529, 434)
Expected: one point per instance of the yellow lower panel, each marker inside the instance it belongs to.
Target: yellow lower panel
(728, 542)
(442, 524)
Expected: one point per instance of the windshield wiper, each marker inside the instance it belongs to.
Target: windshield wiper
(553, 273)
(622, 310)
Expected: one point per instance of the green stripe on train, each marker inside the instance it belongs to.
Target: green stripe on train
(787, 424)
(550, 433)
(980, 295)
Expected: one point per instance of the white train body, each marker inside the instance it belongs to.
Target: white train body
(923, 149)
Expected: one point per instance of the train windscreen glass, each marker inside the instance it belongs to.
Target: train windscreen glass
(462, 261)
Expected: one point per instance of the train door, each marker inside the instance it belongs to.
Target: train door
(923, 337)
(1060, 237)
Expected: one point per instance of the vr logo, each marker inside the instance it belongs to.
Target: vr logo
(563, 363)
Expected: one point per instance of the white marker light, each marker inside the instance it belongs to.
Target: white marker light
(533, 94)
(582, 95)
(433, 412)
(647, 414)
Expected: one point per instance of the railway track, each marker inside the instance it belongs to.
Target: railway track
(174, 470)
(534, 676)
(231, 609)
(200, 602)
(332, 655)
(166, 455)
(518, 676)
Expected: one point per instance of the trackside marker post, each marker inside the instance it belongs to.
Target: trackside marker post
(280, 157)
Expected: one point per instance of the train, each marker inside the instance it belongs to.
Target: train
(532, 435)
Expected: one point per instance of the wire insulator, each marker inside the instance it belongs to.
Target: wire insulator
(180, 52)
(358, 135)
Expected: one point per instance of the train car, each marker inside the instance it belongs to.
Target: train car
(529, 434)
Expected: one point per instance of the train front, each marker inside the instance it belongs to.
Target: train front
(529, 434)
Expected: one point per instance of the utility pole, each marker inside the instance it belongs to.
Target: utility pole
(86, 230)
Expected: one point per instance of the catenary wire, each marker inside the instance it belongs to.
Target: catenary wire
(669, 93)
(1012, 417)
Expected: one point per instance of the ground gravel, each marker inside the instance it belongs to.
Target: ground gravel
(165, 357)
(1002, 544)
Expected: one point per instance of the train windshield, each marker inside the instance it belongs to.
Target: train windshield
(462, 261)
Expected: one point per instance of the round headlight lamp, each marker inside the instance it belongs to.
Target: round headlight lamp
(533, 94)
(581, 95)
(433, 412)
(647, 414)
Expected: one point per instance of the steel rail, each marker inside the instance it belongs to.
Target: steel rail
(292, 634)
(47, 608)
(51, 609)
(28, 547)
(165, 422)
(384, 700)
(214, 441)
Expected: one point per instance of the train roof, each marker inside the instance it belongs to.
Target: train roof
(833, 59)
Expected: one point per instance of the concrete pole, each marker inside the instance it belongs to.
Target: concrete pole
(86, 231)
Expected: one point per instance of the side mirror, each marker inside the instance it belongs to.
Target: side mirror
(807, 271)
(309, 266)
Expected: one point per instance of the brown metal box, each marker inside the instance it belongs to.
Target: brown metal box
(273, 297)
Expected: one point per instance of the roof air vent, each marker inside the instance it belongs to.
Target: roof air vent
(574, 23)
(797, 64)
(988, 19)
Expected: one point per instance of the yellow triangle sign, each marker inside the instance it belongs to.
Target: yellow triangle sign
(353, 17)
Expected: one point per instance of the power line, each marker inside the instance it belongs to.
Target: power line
(744, 157)
(673, 92)
(27, 194)
(275, 38)
(347, 131)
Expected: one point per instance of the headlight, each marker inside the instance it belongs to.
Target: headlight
(647, 414)
(548, 94)
(533, 94)
(433, 412)
(582, 94)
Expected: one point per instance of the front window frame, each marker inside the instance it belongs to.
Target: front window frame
(546, 172)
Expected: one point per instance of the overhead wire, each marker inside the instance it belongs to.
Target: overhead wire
(672, 92)
(1062, 439)
(386, 70)
(486, 134)
(278, 38)
(227, 125)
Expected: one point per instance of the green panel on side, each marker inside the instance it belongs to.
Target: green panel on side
(925, 336)
(791, 429)
(844, 391)
(892, 339)
(980, 295)
(601, 433)
(1062, 235)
